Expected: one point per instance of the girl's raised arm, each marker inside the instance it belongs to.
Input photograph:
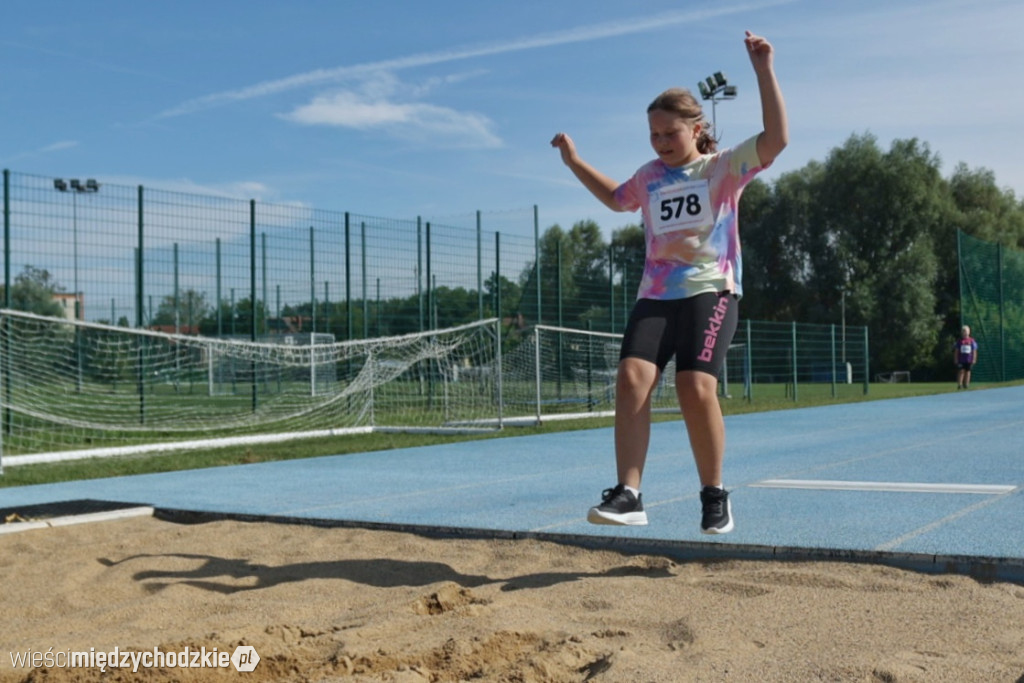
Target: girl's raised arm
(600, 185)
(773, 108)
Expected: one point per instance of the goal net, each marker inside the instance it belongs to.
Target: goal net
(76, 389)
(560, 373)
(894, 377)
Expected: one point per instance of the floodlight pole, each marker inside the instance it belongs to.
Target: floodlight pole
(716, 88)
(75, 187)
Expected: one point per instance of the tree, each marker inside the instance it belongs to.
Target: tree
(236, 322)
(871, 229)
(874, 222)
(628, 251)
(775, 236)
(985, 211)
(574, 277)
(33, 290)
(188, 310)
(555, 266)
(589, 261)
(629, 248)
(511, 296)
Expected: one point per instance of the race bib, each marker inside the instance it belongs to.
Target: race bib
(683, 206)
(966, 349)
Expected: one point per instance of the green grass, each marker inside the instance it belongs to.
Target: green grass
(766, 398)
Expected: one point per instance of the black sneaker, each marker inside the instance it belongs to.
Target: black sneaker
(717, 515)
(618, 506)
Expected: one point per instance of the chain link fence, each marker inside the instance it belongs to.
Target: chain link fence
(219, 266)
(216, 266)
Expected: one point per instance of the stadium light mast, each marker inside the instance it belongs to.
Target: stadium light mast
(716, 88)
(75, 187)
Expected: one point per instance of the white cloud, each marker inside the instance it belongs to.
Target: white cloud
(58, 146)
(425, 123)
(241, 189)
(349, 110)
(576, 35)
(46, 149)
(376, 106)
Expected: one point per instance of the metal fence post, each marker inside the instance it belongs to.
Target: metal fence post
(749, 374)
(558, 295)
(430, 291)
(266, 295)
(366, 302)
(219, 285)
(1002, 314)
(558, 287)
(499, 371)
(479, 269)
(833, 330)
(7, 303)
(175, 295)
(795, 378)
(312, 286)
(252, 298)
(419, 267)
(867, 374)
(327, 306)
(7, 238)
(497, 276)
(536, 260)
(611, 289)
(590, 367)
(537, 377)
(348, 279)
(139, 304)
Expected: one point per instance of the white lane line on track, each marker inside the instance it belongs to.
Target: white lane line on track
(905, 487)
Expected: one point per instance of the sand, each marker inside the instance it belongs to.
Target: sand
(343, 604)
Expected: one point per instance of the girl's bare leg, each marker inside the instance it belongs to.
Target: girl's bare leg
(634, 385)
(698, 399)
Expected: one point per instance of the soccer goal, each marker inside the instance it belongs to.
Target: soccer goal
(561, 373)
(72, 389)
(894, 377)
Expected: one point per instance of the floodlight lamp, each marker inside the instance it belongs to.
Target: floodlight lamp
(75, 185)
(60, 184)
(711, 83)
(704, 92)
(720, 78)
(729, 91)
(91, 185)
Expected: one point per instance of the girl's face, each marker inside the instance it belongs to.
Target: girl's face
(673, 138)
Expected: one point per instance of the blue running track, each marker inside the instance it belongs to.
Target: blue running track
(932, 483)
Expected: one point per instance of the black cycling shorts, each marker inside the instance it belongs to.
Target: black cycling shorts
(697, 331)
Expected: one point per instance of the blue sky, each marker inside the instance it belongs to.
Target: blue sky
(434, 109)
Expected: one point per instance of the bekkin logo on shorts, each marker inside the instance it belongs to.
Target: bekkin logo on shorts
(711, 333)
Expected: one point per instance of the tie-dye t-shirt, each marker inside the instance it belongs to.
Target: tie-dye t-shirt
(690, 222)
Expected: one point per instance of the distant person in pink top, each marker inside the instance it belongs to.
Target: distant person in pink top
(965, 355)
(687, 301)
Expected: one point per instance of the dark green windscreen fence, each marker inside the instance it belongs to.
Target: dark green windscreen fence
(992, 304)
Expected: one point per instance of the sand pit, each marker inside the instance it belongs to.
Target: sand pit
(341, 604)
